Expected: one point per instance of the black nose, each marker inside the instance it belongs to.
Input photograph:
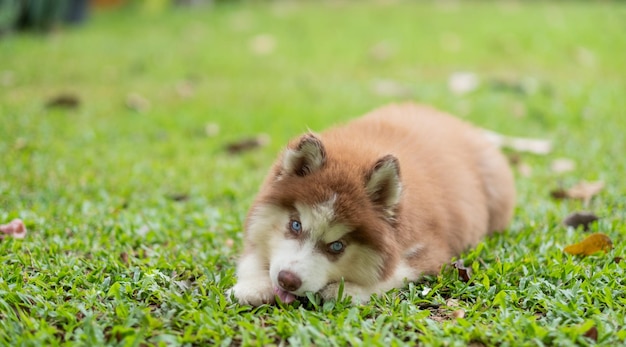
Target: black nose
(289, 281)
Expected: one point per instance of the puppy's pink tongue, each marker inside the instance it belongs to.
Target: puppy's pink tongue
(284, 296)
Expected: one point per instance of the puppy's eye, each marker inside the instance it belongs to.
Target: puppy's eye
(336, 247)
(296, 226)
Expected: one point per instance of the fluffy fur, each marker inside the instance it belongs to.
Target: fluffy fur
(377, 202)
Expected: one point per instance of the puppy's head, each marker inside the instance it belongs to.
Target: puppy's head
(325, 215)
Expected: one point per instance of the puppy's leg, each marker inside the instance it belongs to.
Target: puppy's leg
(254, 286)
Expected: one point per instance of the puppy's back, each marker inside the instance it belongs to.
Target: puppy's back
(457, 185)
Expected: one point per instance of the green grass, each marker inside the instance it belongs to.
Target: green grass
(111, 259)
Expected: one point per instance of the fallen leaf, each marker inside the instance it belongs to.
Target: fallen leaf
(185, 89)
(465, 273)
(461, 83)
(63, 101)
(592, 244)
(592, 333)
(582, 191)
(514, 158)
(390, 88)
(452, 303)
(178, 197)
(137, 103)
(15, 229)
(124, 257)
(562, 165)
(559, 193)
(520, 144)
(460, 313)
(577, 219)
(381, 51)
(20, 143)
(585, 57)
(263, 44)
(247, 144)
(212, 129)
(585, 190)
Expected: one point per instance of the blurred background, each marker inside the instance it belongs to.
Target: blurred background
(172, 97)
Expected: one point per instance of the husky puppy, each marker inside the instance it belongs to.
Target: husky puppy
(379, 201)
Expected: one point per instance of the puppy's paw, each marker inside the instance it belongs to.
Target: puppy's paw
(358, 294)
(249, 293)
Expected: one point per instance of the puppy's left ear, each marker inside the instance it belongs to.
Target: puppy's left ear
(383, 184)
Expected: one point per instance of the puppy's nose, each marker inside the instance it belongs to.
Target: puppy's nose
(289, 281)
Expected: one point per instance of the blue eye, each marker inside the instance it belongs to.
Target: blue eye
(295, 226)
(336, 247)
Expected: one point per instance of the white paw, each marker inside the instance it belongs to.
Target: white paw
(255, 294)
(358, 294)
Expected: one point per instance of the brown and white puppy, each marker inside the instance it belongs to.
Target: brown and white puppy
(379, 201)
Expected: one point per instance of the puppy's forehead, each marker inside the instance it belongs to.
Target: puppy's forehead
(321, 220)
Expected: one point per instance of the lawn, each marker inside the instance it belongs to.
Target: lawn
(135, 207)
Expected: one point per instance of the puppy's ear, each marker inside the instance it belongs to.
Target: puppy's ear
(383, 184)
(307, 157)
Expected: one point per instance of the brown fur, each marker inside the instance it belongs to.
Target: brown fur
(456, 186)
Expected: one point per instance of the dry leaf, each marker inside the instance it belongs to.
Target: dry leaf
(381, 51)
(137, 102)
(592, 333)
(459, 313)
(583, 191)
(185, 89)
(592, 244)
(461, 83)
(562, 165)
(263, 44)
(124, 257)
(178, 197)
(559, 193)
(452, 303)
(63, 101)
(515, 159)
(20, 143)
(15, 229)
(577, 219)
(585, 57)
(247, 144)
(212, 129)
(520, 144)
(390, 88)
(465, 273)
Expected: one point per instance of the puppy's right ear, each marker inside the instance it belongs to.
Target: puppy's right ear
(307, 157)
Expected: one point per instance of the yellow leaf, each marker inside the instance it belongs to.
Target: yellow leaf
(592, 244)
